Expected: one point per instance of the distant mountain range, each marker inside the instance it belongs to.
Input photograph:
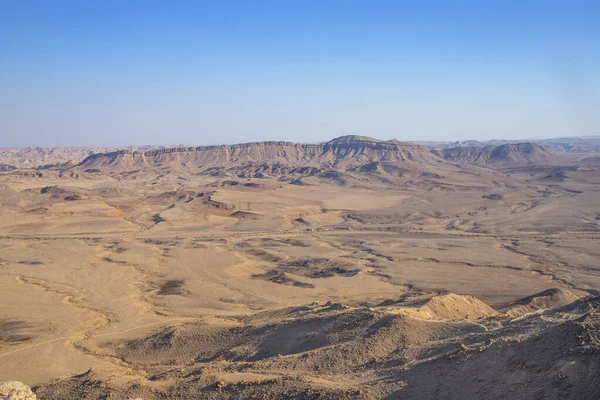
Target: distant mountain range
(338, 159)
(261, 158)
(577, 145)
(344, 153)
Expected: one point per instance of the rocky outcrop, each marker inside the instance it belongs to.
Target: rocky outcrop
(449, 306)
(13, 390)
(7, 167)
(547, 299)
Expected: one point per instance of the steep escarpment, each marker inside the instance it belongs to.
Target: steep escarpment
(513, 154)
(122, 159)
(343, 153)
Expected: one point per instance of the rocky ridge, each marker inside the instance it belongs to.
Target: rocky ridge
(343, 154)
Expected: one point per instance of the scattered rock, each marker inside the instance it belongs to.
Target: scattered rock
(493, 196)
(13, 390)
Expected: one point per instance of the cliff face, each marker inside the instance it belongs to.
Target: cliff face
(355, 153)
(341, 152)
(519, 153)
(115, 159)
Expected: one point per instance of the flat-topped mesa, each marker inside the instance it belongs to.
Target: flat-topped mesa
(220, 147)
(512, 153)
(358, 148)
(342, 141)
(344, 151)
(114, 159)
(354, 139)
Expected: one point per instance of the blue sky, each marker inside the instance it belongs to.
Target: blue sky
(194, 72)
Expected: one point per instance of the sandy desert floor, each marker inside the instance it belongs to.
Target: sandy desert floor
(187, 286)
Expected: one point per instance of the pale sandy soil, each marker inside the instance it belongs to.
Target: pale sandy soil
(166, 280)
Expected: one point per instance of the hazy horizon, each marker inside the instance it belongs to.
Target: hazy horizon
(170, 145)
(152, 73)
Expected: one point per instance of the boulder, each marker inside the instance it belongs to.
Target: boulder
(14, 390)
